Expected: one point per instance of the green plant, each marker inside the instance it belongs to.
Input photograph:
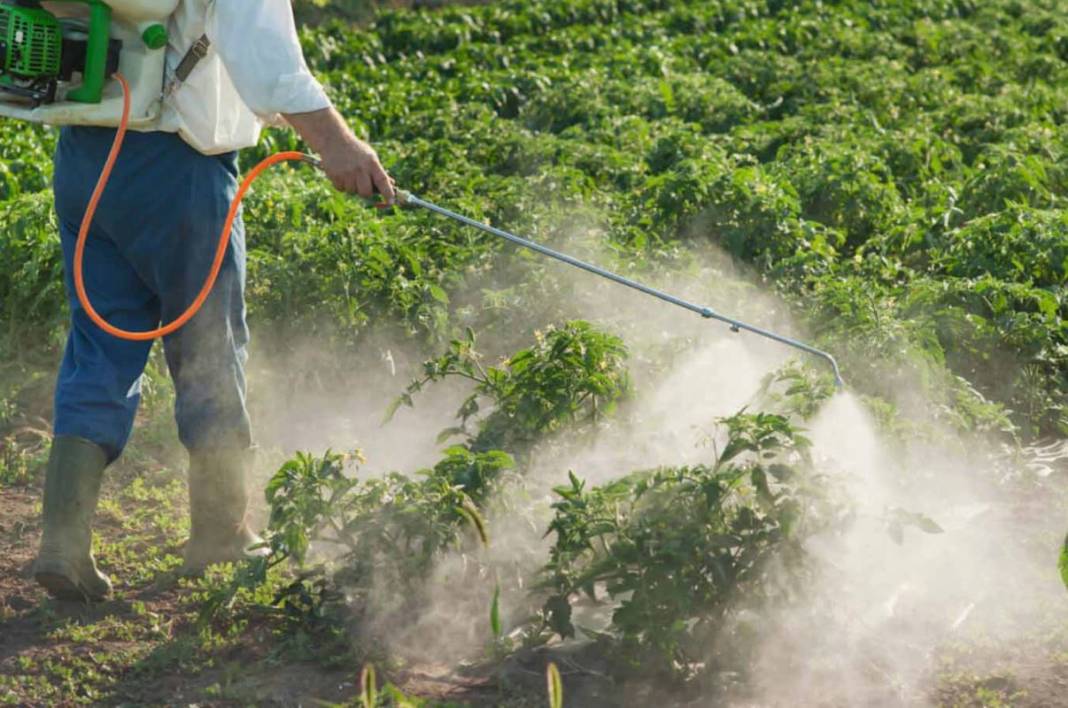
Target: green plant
(676, 552)
(573, 374)
(396, 526)
(20, 461)
(795, 390)
(392, 527)
(861, 169)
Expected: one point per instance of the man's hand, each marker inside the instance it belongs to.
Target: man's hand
(350, 163)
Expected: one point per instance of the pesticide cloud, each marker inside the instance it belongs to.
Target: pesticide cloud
(311, 398)
(882, 609)
(870, 629)
(688, 372)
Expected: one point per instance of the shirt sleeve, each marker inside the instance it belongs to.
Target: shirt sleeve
(257, 42)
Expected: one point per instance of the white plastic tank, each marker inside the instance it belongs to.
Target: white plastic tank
(143, 10)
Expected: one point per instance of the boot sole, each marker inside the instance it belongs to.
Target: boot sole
(61, 587)
(57, 578)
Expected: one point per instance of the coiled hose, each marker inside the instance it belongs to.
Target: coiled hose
(220, 251)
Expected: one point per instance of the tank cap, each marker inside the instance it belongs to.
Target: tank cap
(155, 36)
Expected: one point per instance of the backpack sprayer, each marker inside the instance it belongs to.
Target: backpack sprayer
(40, 56)
(55, 61)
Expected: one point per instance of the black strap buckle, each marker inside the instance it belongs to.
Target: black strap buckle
(198, 51)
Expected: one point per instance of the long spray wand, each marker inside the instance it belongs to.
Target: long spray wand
(408, 199)
(403, 198)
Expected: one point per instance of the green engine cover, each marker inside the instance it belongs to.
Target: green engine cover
(31, 51)
(30, 43)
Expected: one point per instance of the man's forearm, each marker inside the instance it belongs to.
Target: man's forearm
(350, 163)
(322, 129)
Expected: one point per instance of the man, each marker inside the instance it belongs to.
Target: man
(149, 250)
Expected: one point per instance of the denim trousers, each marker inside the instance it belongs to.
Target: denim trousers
(148, 253)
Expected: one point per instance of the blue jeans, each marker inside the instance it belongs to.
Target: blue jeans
(149, 250)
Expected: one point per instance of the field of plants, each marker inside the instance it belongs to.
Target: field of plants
(477, 464)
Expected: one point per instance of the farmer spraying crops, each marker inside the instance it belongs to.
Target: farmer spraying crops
(232, 66)
(168, 245)
(575, 473)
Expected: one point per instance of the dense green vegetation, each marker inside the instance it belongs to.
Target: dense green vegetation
(894, 171)
(897, 170)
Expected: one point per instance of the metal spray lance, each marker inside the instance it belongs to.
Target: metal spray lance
(408, 199)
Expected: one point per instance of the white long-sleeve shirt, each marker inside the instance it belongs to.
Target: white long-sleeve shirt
(254, 70)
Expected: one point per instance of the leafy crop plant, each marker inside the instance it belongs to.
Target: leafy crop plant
(390, 530)
(678, 555)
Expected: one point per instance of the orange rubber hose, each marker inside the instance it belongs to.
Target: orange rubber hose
(220, 251)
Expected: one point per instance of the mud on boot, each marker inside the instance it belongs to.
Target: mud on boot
(65, 566)
(218, 510)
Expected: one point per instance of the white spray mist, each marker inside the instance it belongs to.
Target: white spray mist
(873, 628)
(868, 632)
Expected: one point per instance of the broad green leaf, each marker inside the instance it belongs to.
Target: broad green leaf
(438, 294)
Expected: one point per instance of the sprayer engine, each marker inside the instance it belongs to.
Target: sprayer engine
(38, 51)
(58, 57)
(30, 50)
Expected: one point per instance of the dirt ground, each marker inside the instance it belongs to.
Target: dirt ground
(146, 647)
(143, 646)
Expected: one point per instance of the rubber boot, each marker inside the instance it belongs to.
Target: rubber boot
(65, 566)
(218, 510)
